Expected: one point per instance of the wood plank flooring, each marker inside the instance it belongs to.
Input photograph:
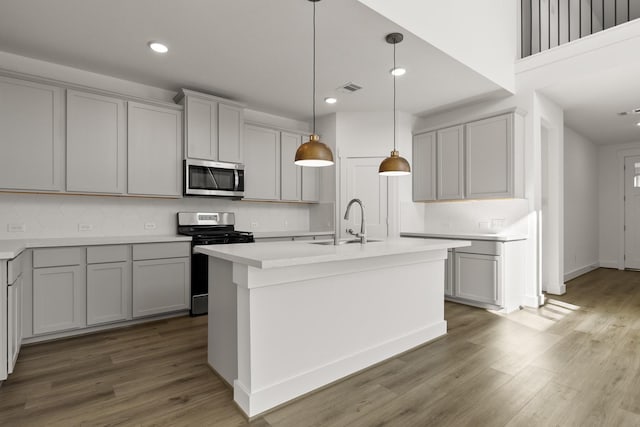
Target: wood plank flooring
(573, 362)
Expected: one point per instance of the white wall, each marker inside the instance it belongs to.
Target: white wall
(480, 34)
(581, 219)
(371, 135)
(610, 192)
(59, 215)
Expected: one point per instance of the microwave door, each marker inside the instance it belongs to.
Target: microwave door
(213, 179)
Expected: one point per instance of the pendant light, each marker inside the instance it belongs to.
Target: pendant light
(313, 152)
(394, 165)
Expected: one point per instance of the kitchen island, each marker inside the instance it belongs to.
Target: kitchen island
(286, 318)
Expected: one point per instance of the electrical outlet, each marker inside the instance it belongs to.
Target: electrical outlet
(497, 223)
(149, 225)
(286, 223)
(85, 227)
(483, 225)
(254, 224)
(16, 228)
(445, 225)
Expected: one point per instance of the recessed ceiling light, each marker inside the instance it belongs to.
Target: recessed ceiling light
(638, 124)
(398, 71)
(158, 47)
(330, 100)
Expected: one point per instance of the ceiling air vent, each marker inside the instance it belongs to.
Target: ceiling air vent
(626, 113)
(349, 88)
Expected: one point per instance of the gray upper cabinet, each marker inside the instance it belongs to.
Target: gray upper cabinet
(230, 123)
(483, 159)
(154, 150)
(31, 136)
(424, 167)
(492, 158)
(213, 127)
(450, 163)
(291, 174)
(262, 163)
(201, 136)
(96, 143)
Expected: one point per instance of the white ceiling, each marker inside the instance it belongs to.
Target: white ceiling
(257, 52)
(591, 104)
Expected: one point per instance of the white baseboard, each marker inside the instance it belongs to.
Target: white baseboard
(533, 301)
(579, 272)
(609, 264)
(258, 401)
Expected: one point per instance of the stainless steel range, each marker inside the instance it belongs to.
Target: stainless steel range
(207, 228)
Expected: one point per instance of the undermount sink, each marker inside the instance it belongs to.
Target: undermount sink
(344, 242)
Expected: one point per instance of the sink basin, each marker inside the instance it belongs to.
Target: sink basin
(344, 242)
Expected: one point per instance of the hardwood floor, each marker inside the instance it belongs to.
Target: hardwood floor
(573, 362)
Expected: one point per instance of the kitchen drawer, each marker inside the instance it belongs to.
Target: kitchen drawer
(111, 253)
(482, 247)
(58, 257)
(161, 250)
(14, 268)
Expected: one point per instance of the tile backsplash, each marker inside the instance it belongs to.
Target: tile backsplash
(38, 215)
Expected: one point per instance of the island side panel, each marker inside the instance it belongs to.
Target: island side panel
(304, 333)
(222, 332)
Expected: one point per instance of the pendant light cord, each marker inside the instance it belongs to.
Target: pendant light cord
(394, 96)
(314, 68)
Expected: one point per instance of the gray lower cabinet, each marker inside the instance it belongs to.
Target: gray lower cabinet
(108, 284)
(448, 274)
(14, 322)
(59, 301)
(478, 277)
(15, 280)
(161, 278)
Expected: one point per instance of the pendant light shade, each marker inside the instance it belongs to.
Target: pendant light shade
(394, 165)
(314, 153)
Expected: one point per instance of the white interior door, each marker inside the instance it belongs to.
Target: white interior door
(362, 181)
(632, 212)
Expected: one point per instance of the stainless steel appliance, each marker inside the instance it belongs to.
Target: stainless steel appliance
(207, 228)
(206, 178)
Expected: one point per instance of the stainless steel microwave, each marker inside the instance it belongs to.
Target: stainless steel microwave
(207, 178)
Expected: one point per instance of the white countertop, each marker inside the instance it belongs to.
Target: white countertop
(286, 254)
(291, 233)
(11, 248)
(497, 237)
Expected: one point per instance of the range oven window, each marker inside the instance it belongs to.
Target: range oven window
(208, 178)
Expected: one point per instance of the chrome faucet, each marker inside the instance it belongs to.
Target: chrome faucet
(362, 235)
